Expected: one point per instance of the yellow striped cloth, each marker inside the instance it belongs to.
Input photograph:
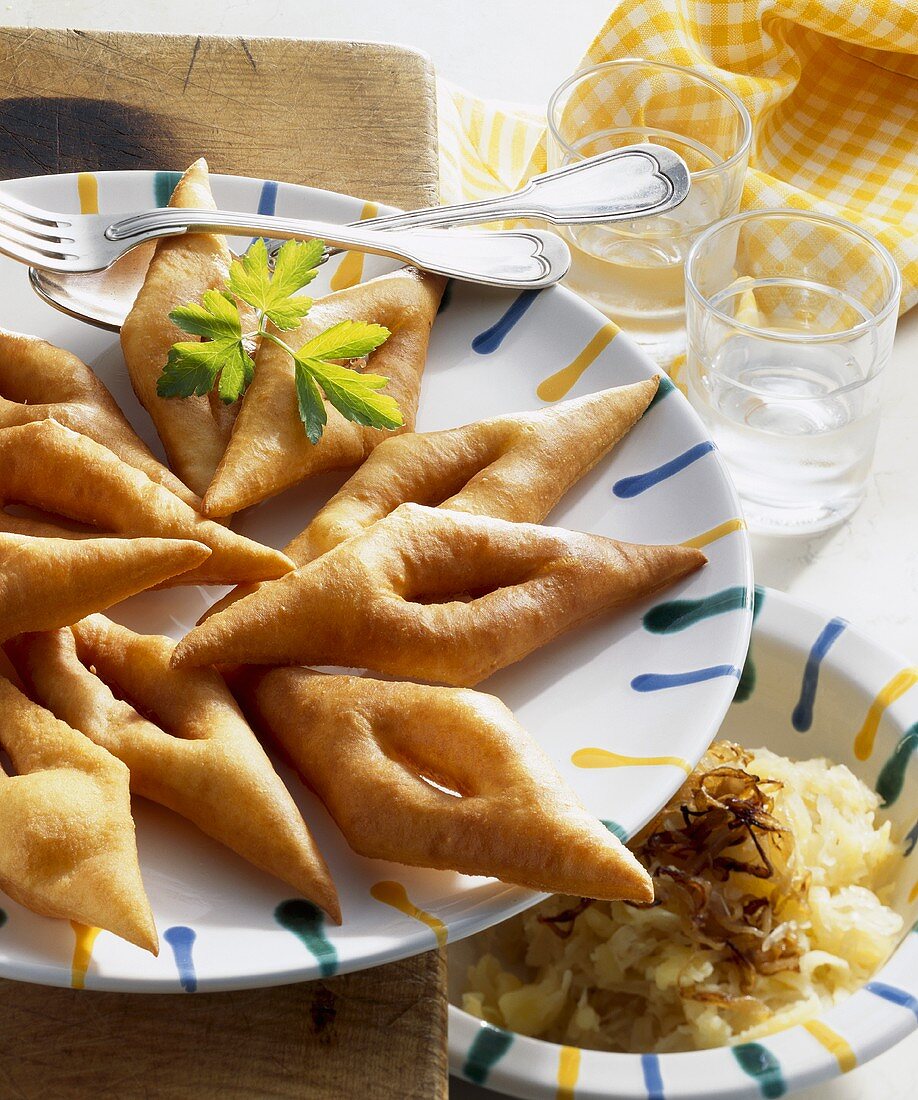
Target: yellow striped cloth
(832, 87)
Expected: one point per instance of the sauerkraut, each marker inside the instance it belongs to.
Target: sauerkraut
(769, 876)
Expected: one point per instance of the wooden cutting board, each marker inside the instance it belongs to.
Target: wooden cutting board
(352, 117)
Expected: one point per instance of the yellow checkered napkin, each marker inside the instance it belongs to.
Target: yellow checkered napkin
(832, 87)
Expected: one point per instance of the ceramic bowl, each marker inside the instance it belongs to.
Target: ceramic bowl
(813, 686)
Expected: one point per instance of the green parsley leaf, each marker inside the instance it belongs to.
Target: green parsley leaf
(252, 282)
(297, 264)
(222, 357)
(193, 367)
(356, 396)
(216, 318)
(311, 405)
(237, 372)
(346, 340)
(249, 277)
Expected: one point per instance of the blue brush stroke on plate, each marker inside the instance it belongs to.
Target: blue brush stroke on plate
(894, 995)
(640, 483)
(658, 681)
(267, 200)
(492, 338)
(653, 1079)
(267, 203)
(802, 717)
(181, 939)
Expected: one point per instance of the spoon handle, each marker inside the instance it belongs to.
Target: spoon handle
(635, 181)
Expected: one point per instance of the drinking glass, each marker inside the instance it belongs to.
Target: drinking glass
(633, 270)
(791, 318)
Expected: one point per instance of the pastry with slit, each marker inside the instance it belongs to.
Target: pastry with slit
(51, 582)
(67, 842)
(439, 777)
(183, 738)
(62, 473)
(194, 430)
(269, 450)
(433, 594)
(514, 467)
(39, 381)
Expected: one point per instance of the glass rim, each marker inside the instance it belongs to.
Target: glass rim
(877, 247)
(745, 142)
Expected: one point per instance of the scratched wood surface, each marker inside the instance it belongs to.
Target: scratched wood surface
(351, 117)
(378, 1034)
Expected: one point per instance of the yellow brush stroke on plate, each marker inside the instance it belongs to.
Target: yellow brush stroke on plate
(88, 190)
(602, 758)
(900, 683)
(913, 893)
(560, 384)
(834, 1044)
(350, 270)
(82, 953)
(715, 533)
(568, 1072)
(394, 894)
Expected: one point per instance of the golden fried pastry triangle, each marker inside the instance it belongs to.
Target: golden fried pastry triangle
(50, 582)
(513, 467)
(269, 450)
(50, 467)
(433, 594)
(509, 815)
(39, 381)
(67, 844)
(194, 430)
(183, 738)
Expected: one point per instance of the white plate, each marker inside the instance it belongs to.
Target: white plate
(216, 914)
(814, 686)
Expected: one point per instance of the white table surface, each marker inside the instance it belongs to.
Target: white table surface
(519, 50)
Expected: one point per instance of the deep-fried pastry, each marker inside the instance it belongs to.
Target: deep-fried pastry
(269, 450)
(50, 582)
(183, 738)
(39, 381)
(513, 467)
(379, 755)
(432, 594)
(67, 844)
(194, 430)
(48, 466)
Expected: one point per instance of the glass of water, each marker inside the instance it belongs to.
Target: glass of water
(791, 318)
(634, 270)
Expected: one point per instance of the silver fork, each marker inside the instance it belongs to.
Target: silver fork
(635, 181)
(81, 243)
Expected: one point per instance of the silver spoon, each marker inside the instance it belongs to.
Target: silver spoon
(635, 181)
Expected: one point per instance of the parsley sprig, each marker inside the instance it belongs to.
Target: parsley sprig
(223, 358)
